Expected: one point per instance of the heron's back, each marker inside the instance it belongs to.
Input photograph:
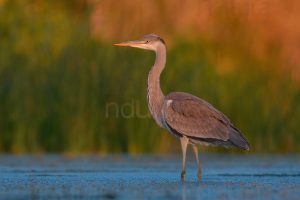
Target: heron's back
(190, 116)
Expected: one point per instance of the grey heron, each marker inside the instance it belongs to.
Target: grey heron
(186, 116)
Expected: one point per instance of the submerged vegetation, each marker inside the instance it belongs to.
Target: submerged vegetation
(65, 88)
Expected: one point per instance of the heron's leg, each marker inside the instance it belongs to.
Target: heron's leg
(195, 149)
(184, 142)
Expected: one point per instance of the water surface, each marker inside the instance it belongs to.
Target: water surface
(149, 177)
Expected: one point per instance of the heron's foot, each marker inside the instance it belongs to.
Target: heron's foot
(183, 176)
(199, 174)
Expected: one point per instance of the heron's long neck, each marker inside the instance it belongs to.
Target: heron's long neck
(154, 92)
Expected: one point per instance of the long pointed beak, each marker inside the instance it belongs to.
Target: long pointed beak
(135, 43)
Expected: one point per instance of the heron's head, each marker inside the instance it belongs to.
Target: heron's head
(149, 42)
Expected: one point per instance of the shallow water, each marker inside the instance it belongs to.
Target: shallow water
(149, 177)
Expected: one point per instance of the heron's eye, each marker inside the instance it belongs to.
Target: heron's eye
(147, 41)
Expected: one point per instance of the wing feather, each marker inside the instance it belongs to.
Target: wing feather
(197, 119)
(194, 117)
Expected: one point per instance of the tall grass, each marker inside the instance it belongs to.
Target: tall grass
(62, 89)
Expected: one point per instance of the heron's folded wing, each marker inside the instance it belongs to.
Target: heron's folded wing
(196, 118)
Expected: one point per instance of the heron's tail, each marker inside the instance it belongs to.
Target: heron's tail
(238, 139)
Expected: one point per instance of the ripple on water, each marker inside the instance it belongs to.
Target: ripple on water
(149, 177)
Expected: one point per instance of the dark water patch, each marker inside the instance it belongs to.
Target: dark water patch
(52, 175)
(262, 175)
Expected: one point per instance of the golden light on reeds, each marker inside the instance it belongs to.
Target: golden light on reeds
(60, 71)
(265, 29)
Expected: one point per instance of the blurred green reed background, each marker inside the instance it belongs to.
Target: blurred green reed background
(65, 88)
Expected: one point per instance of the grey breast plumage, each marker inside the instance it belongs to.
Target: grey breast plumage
(188, 115)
